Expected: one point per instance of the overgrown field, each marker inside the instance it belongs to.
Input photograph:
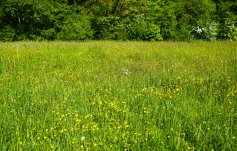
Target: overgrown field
(118, 96)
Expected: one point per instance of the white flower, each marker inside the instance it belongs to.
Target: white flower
(83, 138)
(199, 30)
(126, 71)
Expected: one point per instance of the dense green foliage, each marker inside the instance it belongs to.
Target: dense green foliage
(118, 96)
(118, 19)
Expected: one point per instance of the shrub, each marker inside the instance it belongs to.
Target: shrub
(205, 30)
(152, 33)
(7, 34)
(138, 28)
(49, 33)
(229, 30)
(75, 28)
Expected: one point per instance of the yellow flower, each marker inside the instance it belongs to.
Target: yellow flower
(77, 120)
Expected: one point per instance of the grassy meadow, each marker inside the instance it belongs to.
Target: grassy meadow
(105, 95)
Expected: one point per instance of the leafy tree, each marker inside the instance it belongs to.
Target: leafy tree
(227, 16)
(118, 19)
(178, 18)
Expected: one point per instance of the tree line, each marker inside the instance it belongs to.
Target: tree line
(146, 20)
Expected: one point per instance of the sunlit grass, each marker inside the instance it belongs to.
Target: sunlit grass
(118, 96)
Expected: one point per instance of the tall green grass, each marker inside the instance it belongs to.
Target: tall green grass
(118, 96)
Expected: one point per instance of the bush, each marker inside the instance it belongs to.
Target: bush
(49, 33)
(7, 34)
(104, 27)
(75, 28)
(135, 27)
(152, 33)
(206, 31)
(138, 28)
(229, 30)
